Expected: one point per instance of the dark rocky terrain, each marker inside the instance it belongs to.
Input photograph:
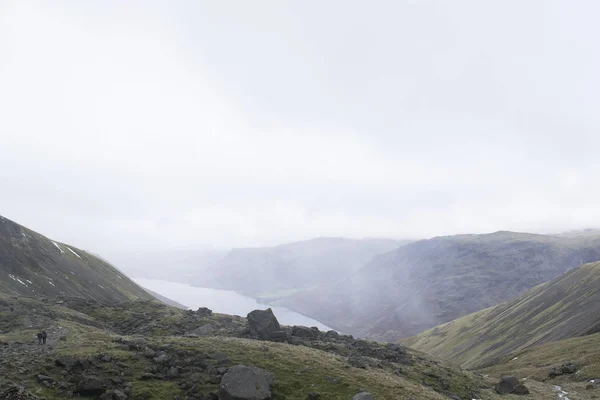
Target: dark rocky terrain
(429, 282)
(147, 350)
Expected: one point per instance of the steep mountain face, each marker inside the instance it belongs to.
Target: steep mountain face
(275, 272)
(566, 307)
(429, 282)
(34, 266)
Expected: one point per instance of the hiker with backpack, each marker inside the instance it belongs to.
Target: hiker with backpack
(44, 336)
(39, 337)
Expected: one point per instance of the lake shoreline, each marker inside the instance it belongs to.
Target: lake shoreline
(224, 301)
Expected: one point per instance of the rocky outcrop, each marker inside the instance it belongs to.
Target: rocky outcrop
(565, 369)
(262, 323)
(510, 384)
(305, 332)
(246, 383)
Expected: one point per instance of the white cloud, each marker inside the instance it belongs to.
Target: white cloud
(146, 125)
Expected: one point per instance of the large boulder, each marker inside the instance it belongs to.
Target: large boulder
(507, 384)
(203, 311)
(90, 386)
(246, 383)
(262, 323)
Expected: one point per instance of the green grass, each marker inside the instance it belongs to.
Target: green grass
(565, 307)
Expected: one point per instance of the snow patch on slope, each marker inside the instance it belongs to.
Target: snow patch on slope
(68, 248)
(59, 248)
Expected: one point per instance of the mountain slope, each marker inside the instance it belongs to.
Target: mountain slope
(35, 266)
(273, 272)
(429, 282)
(566, 307)
(537, 362)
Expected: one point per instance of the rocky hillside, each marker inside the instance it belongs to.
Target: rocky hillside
(147, 350)
(35, 266)
(268, 273)
(429, 282)
(566, 307)
(573, 364)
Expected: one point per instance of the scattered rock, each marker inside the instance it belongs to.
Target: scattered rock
(246, 383)
(262, 323)
(203, 311)
(304, 332)
(67, 362)
(161, 358)
(278, 336)
(91, 387)
(363, 396)
(44, 378)
(331, 379)
(507, 384)
(357, 362)
(567, 368)
(15, 392)
(313, 396)
(203, 330)
(146, 376)
(173, 373)
(332, 335)
(521, 390)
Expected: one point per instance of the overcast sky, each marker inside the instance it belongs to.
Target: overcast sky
(149, 125)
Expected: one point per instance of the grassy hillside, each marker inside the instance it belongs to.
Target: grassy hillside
(429, 282)
(535, 363)
(33, 265)
(120, 346)
(565, 307)
(269, 273)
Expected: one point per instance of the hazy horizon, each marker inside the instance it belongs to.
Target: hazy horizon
(148, 126)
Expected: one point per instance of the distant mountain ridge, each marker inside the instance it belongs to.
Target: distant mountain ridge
(271, 272)
(32, 265)
(566, 307)
(425, 283)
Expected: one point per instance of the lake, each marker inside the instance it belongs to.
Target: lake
(223, 301)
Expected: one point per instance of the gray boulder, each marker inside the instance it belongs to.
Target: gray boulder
(262, 323)
(363, 396)
(332, 335)
(358, 362)
(204, 311)
(246, 383)
(569, 368)
(204, 330)
(91, 386)
(304, 332)
(278, 336)
(521, 390)
(507, 384)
